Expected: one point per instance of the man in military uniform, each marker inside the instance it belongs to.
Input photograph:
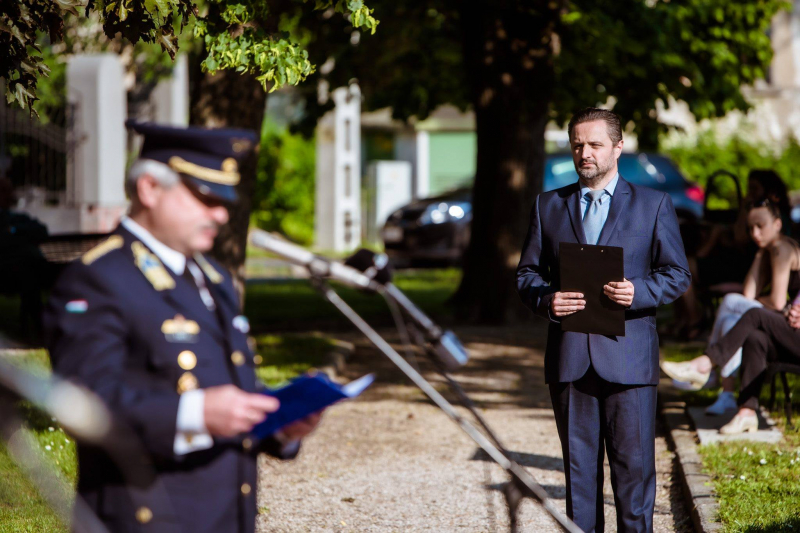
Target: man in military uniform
(153, 327)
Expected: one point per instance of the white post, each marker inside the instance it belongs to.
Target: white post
(170, 98)
(423, 165)
(95, 87)
(337, 220)
(412, 146)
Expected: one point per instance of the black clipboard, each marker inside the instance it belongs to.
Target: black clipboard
(585, 268)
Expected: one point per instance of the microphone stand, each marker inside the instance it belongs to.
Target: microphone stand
(522, 484)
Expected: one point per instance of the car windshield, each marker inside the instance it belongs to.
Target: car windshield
(650, 170)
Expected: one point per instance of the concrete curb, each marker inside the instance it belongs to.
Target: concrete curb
(337, 358)
(697, 486)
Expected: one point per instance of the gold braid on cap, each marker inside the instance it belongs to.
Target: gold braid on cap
(229, 174)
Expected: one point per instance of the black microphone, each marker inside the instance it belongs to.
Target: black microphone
(373, 265)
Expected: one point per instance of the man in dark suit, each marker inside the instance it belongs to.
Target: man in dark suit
(603, 388)
(153, 327)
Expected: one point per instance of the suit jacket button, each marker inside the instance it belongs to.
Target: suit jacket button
(247, 443)
(246, 489)
(187, 382)
(187, 360)
(144, 515)
(238, 358)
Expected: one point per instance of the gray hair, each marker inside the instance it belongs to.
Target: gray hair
(165, 176)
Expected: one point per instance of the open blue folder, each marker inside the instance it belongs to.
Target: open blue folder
(307, 395)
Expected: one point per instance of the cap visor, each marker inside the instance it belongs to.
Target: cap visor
(216, 191)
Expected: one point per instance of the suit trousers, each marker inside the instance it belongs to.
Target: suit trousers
(592, 416)
(763, 335)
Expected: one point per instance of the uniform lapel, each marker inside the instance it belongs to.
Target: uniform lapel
(227, 309)
(182, 294)
(573, 204)
(186, 297)
(619, 202)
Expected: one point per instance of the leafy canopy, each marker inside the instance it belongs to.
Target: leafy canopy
(243, 35)
(632, 53)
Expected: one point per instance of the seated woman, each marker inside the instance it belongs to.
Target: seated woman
(776, 266)
(727, 253)
(765, 336)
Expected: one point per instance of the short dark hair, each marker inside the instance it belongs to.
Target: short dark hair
(590, 114)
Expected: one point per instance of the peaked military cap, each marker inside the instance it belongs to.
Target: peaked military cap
(206, 159)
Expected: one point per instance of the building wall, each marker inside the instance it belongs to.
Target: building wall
(452, 160)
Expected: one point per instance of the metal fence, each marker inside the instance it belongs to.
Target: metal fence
(38, 155)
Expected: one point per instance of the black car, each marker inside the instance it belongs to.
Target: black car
(437, 229)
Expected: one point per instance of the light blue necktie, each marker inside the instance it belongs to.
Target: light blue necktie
(592, 218)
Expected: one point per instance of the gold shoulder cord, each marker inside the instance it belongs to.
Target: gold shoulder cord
(108, 245)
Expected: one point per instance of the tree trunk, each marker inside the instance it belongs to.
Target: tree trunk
(232, 100)
(508, 54)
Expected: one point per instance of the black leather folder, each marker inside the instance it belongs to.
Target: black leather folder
(586, 268)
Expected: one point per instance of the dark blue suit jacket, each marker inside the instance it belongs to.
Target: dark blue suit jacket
(106, 326)
(643, 222)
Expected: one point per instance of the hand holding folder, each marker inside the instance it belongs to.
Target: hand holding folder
(586, 268)
(307, 395)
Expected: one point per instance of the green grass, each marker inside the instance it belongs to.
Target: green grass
(753, 497)
(287, 356)
(295, 304)
(757, 497)
(22, 508)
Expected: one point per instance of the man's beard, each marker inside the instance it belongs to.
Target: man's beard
(595, 173)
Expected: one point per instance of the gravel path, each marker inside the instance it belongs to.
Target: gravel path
(391, 461)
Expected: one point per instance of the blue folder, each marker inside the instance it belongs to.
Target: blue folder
(307, 395)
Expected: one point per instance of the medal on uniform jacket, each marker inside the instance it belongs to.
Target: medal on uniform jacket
(151, 267)
(179, 329)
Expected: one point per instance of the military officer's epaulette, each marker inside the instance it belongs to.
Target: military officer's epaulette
(108, 245)
(208, 268)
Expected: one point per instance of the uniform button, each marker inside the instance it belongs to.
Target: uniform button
(247, 443)
(187, 382)
(187, 360)
(246, 489)
(238, 358)
(144, 515)
(257, 359)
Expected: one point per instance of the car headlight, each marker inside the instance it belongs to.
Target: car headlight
(445, 212)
